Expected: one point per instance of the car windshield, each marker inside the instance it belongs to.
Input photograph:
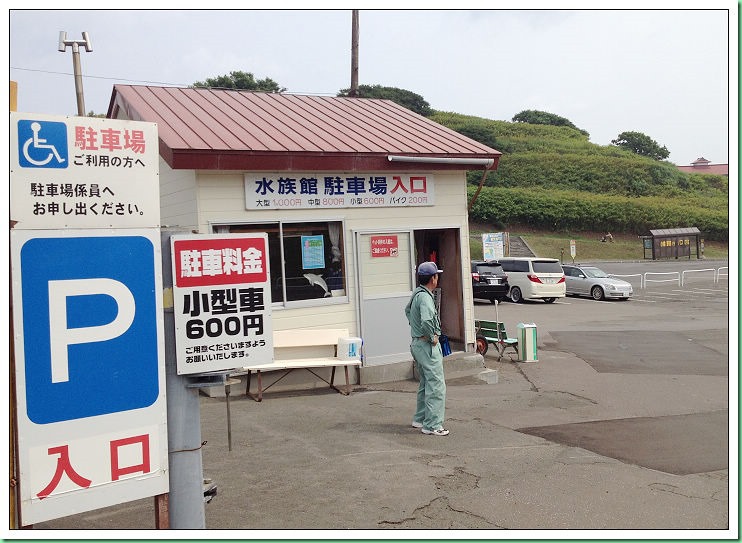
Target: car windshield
(489, 269)
(546, 266)
(594, 272)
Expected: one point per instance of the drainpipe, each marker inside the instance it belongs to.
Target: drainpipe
(488, 164)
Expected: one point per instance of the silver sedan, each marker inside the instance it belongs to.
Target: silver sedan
(594, 282)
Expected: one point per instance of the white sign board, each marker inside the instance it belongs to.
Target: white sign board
(493, 246)
(272, 191)
(83, 172)
(572, 248)
(222, 302)
(90, 369)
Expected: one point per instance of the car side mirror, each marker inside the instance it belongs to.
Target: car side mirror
(581, 276)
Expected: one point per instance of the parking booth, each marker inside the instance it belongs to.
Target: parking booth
(673, 243)
(353, 193)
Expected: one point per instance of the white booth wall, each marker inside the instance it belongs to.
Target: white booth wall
(211, 201)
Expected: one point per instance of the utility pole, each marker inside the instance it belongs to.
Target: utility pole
(63, 43)
(354, 56)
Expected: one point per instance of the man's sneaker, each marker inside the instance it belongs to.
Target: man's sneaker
(437, 432)
(416, 424)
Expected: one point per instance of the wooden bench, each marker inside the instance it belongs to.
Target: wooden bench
(493, 332)
(292, 347)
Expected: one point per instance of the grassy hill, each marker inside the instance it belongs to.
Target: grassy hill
(589, 246)
(552, 178)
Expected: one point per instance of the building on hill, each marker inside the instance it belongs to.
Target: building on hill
(703, 166)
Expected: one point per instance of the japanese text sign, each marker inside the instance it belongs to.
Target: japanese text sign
(90, 370)
(384, 246)
(83, 172)
(493, 245)
(312, 252)
(328, 191)
(222, 302)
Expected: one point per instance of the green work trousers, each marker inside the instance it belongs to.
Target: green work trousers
(431, 394)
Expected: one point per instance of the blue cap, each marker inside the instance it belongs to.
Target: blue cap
(428, 268)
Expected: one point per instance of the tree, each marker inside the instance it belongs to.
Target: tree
(241, 81)
(404, 98)
(641, 144)
(534, 116)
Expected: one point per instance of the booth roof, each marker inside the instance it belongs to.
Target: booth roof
(209, 129)
(675, 231)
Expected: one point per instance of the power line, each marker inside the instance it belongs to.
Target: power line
(156, 82)
(101, 77)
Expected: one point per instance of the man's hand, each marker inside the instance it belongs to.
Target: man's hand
(434, 340)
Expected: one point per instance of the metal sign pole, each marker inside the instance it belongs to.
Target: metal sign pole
(63, 43)
(186, 500)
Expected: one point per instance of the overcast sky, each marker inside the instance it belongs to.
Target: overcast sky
(664, 72)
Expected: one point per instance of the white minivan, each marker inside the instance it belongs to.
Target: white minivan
(534, 278)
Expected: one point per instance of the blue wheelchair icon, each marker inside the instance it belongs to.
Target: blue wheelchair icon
(42, 144)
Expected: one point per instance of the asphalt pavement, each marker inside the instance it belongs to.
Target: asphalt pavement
(620, 429)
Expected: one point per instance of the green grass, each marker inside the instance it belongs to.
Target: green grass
(588, 247)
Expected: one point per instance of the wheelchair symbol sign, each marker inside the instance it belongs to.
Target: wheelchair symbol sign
(42, 144)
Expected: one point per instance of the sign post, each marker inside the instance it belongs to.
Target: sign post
(87, 314)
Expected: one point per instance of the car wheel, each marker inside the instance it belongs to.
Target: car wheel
(515, 295)
(482, 345)
(597, 293)
(549, 300)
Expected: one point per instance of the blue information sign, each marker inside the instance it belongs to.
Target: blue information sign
(42, 144)
(90, 326)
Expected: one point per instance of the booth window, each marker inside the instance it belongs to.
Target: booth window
(306, 259)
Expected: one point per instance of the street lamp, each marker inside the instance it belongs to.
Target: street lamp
(63, 43)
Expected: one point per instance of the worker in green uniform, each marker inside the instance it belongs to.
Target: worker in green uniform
(425, 327)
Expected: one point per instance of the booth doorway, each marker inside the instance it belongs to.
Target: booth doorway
(386, 262)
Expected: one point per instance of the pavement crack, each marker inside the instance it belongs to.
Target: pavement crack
(534, 388)
(672, 489)
(581, 397)
(438, 514)
(458, 481)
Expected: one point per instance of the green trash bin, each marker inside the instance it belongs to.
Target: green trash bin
(527, 348)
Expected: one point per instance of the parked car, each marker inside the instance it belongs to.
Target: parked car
(534, 278)
(489, 281)
(594, 282)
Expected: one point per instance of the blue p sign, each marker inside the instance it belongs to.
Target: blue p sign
(90, 326)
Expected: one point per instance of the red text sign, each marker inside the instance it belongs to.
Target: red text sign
(225, 261)
(384, 246)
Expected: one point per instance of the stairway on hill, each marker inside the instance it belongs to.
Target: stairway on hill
(519, 247)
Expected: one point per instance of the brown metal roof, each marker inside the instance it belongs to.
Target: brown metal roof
(239, 130)
(675, 231)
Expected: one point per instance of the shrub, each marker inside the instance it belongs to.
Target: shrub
(583, 211)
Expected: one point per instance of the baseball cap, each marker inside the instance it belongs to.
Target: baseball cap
(428, 268)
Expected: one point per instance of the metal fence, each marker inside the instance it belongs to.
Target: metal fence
(675, 277)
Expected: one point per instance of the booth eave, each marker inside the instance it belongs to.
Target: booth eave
(307, 161)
